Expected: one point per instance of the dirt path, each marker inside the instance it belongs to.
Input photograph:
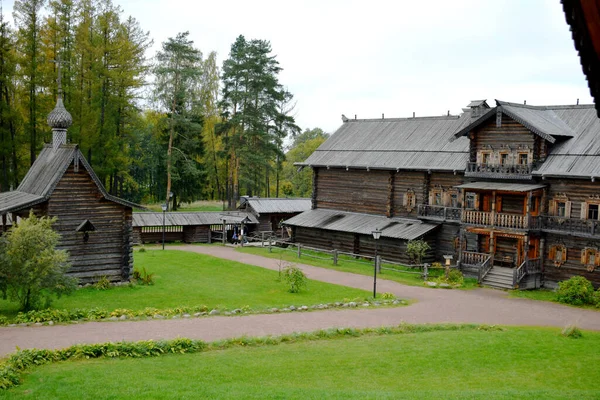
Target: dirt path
(433, 306)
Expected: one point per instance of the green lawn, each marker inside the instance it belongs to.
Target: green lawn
(516, 363)
(207, 205)
(190, 279)
(411, 277)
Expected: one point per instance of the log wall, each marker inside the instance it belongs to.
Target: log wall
(108, 252)
(578, 191)
(572, 266)
(405, 182)
(359, 191)
(489, 137)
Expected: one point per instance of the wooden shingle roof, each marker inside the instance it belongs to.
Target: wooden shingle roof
(365, 224)
(44, 175)
(276, 205)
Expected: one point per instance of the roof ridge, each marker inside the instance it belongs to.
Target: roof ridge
(441, 117)
(544, 107)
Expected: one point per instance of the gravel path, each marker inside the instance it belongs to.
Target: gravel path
(432, 306)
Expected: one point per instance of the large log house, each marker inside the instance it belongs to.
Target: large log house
(510, 191)
(94, 227)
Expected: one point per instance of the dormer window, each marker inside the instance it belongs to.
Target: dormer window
(523, 158)
(485, 158)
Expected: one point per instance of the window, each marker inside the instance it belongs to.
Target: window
(560, 206)
(523, 158)
(558, 254)
(454, 200)
(410, 200)
(590, 258)
(470, 201)
(592, 212)
(503, 158)
(437, 198)
(485, 158)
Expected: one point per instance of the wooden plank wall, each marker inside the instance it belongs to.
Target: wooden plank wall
(403, 182)
(445, 241)
(108, 250)
(511, 132)
(390, 249)
(196, 234)
(359, 191)
(573, 265)
(577, 191)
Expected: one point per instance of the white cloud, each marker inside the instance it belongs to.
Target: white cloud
(392, 57)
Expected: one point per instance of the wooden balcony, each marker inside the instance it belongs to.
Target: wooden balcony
(573, 226)
(499, 220)
(439, 213)
(497, 171)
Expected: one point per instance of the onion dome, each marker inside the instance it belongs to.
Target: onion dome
(59, 118)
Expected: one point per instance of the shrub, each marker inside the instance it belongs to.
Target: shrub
(455, 277)
(596, 298)
(143, 277)
(576, 291)
(102, 284)
(388, 296)
(31, 268)
(295, 278)
(571, 331)
(417, 249)
(142, 250)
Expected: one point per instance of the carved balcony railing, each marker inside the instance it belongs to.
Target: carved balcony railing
(585, 227)
(500, 220)
(439, 212)
(509, 171)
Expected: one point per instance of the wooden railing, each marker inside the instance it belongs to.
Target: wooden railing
(528, 267)
(484, 269)
(472, 258)
(534, 266)
(572, 225)
(515, 171)
(477, 217)
(519, 273)
(439, 212)
(501, 220)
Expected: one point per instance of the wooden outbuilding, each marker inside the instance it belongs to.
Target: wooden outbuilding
(94, 226)
(270, 212)
(187, 227)
(512, 192)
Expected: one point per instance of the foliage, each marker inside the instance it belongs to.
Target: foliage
(295, 278)
(256, 118)
(576, 291)
(596, 298)
(571, 331)
(31, 269)
(388, 296)
(143, 276)
(454, 277)
(417, 249)
(102, 284)
(299, 183)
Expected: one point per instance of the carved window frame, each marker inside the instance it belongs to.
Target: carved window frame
(483, 155)
(585, 207)
(527, 157)
(410, 200)
(554, 206)
(502, 153)
(557, 253)
(450, 195)
(590, 257)
(470, 196)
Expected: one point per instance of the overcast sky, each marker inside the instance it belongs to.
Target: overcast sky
(393, 57)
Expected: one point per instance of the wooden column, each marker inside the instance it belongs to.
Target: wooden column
(493, 208)
(313, 198)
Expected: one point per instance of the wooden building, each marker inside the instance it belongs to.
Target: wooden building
(512, 191)
(187, 227)
(270, 212)
(94, 227)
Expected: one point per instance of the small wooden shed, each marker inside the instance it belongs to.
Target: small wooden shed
(270, 212)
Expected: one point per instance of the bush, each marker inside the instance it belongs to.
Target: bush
(143, 277)
(388, 296)
(456, 277)
(295, 278)
(571, 331)
(102, 284)
(31, 269)
(596, 298)
(417, 249)
(576, 291)
(142, 250)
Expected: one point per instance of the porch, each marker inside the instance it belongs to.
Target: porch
(490, 272)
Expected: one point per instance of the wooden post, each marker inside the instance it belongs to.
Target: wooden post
(299, 251)
(262, 239)
(335, 257)
(224, 230)
(209, 235)
(270, 250)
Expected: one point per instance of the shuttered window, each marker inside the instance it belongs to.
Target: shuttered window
(558, 254)
(560, 207)
(590, 257)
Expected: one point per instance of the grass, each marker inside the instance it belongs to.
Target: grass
(524, 363)
(410, 276)
(190, 279)
(206, 205)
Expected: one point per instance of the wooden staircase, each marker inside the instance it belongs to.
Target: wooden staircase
(499, 278)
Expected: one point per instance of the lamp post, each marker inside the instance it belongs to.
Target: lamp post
(376, 235)
(164, 208)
